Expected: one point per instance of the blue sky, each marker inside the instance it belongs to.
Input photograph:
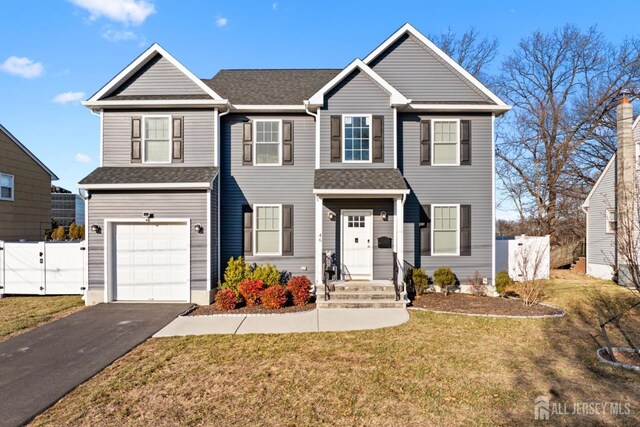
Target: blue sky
(55, 52)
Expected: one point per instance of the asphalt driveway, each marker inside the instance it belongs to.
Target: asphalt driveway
(41, 366)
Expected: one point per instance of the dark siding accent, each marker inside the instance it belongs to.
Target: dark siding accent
(287, 142)
(247, 144)
(247, 230)
(465, 142)
(177, 139)
(465, 230)
(336, 138)
(378, 139)
(136, 139)
(425, 230)
(425, 142)
(287, 230)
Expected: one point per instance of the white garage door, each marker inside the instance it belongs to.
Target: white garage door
(151, 262)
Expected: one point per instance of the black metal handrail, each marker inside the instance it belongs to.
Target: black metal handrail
(409, 285)
(327, 265)
(396, 267)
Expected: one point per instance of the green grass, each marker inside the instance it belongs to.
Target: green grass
(436, 369)
(19, 314)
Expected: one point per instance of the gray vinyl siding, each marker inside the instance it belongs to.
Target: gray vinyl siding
(163, 204)
(600, 244)
(289, 184)
(356, 94)
(214, 232)
(331, 231)
(415, 71)
(159, 77)
(199, 137)
(450, 185)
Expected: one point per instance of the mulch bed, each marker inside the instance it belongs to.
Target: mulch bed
(207, 310)
(471, 304)
(626, 357)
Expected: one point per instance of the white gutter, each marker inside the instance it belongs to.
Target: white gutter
(316, 116)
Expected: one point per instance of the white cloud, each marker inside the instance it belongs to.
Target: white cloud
(221, 22)
(23, 67)
(67, 97)
(125, 11)
(274, 6)
(82, 158)
(113, 35)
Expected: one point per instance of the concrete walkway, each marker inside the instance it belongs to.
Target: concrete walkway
(318, 320)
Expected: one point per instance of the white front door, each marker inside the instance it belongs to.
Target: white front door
(357, 244)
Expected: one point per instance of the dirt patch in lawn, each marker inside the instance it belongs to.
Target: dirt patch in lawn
(626, 357)
(208, 310)
(471, 304)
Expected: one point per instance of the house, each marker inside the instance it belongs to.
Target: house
(606, 220)
(66, 207)
(25, 182)
(387, 163)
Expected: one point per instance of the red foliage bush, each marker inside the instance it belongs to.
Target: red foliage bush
(300, 289)
(274, 297)
(226, 300)
(250, 290)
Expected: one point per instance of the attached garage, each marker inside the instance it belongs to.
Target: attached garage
(149, 261)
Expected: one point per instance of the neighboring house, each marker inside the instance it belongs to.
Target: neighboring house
(601, 205)
(390, 159)
(25, 183)
(66, 207)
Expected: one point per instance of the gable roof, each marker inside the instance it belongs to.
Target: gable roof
(29, 153)
(396, 98)
(97, 99)
(585, 204)
(408, 28)
(265, 86)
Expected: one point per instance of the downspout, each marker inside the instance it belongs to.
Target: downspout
(218, 150)
(318, 232)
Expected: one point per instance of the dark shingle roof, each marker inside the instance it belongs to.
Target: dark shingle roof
(269, 87)
(359, 179)
(150, 175)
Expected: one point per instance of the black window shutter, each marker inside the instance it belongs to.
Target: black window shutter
(465, 142)
(136, 139)
(425, 142)
(287, 142)
(425, 230)
(247, 143)
(336, 138)
(287, 230)
(247, 229)
(378, 139)
(465, 230)
(177, 139)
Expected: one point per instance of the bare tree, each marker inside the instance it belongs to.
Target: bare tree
(470, 50)
(564, 86)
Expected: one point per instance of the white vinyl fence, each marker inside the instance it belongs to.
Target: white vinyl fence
(523, 257)
(42, 268)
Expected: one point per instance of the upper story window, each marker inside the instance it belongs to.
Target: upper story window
(6, 187)
(446, 226)
(610, 227)
(446, 142)
(268, 142)
(356, 139)
(267, 226)
(157, 142)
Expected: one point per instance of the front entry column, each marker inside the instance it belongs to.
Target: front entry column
(399, 229)
(318, 240)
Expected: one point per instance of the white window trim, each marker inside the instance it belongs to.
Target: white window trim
(144, 138)
(610, 216)
(255, 230)
(433, 141)
(255, 142)
(13, 188)
(344, 134)
(433, 229)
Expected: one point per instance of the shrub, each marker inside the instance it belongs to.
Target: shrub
(300, 289)
(503, 282)
(226, 299)
(420, 281)
(476, 285)
(59, 234)
(531, 291)
(237, 270)
(274, 297)
(268, 273)
(250, 290)
(444, 278)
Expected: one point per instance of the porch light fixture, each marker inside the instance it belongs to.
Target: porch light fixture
(384, 215)
(198, 228)
(96, 228)
(332, 216)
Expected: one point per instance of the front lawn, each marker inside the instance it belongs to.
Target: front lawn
(21, 313)
(437, 369)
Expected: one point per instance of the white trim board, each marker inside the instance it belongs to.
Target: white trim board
(408, 28)
(351, 192)
(29, 153)
(585, 205)
(155, 103)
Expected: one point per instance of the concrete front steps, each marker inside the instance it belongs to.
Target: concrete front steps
(361, 294)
